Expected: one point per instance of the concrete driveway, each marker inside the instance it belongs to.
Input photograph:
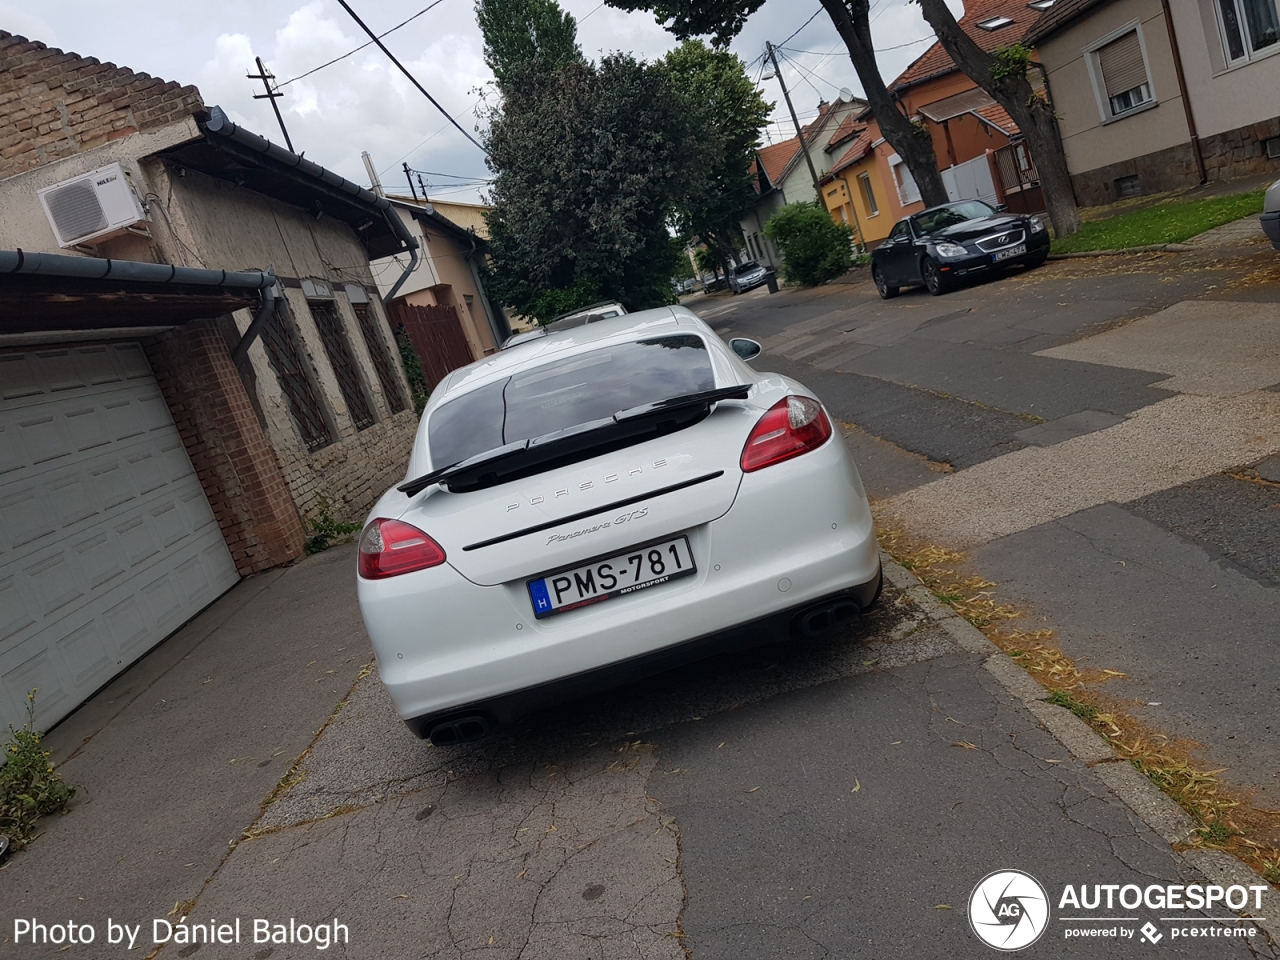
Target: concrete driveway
(836, 799)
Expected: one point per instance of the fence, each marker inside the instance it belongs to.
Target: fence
(1019, 178)
(436, 335)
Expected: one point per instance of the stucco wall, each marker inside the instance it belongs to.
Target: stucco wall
(1088, 141)
(1222, 99)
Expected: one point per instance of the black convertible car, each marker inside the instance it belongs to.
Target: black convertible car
(937, 247)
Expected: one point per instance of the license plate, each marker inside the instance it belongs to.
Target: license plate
(636, 569)
(1017, 251)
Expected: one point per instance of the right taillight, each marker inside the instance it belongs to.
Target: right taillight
(792, 426)
(389, 548)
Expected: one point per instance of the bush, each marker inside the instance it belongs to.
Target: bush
(814, 248)
(30, 788)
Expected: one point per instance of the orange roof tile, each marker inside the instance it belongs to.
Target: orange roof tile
(857, 150)
(936, 61)
(848, 128)
(775, 158)
(998, 117)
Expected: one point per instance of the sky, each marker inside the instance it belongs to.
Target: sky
(363, 103)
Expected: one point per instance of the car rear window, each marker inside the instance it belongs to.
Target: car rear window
(566, 392)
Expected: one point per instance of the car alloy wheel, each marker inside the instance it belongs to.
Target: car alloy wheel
(932, 278)
(886, 292)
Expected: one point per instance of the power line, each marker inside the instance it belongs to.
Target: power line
(423, 143)
(831, 53)
(802, 26)
(362, 46)
(412, 79)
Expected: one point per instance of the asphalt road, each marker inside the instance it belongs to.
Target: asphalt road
(1110, 424)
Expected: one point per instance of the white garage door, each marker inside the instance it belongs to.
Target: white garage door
(107, 543)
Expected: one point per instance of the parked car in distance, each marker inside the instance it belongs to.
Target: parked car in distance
(1271, 214)
(599, 505)
(939, 247)
(603, 310)
(747, 275)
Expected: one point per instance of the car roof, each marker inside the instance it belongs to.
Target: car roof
(564, 343)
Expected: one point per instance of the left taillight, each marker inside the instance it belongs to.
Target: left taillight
(389, 548)
(792, 426)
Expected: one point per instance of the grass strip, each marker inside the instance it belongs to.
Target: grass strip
(1169, 221)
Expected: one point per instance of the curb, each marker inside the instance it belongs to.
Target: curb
(1148, 802)
(1146, 248)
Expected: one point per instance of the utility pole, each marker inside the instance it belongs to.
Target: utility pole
(817, 190)
(799, 133)
(272, 94)
(409, 176)
(374, 183)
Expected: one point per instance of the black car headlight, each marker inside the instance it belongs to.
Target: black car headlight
(951, 250)
(1037, 225)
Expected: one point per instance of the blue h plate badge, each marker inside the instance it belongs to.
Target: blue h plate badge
(541, 599)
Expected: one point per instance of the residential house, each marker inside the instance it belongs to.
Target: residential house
(441, 302)
(781, 173)
(194, 361)
(1158, 94)
(978, 146)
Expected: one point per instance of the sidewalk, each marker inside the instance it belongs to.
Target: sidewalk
(836, 800)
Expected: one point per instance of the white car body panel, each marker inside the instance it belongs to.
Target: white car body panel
(768, 541)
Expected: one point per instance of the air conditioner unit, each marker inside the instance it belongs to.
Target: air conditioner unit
(93, 206)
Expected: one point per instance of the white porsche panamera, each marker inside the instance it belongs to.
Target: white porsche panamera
(601, 504)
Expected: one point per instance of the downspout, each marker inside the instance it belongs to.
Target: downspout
(411, 244)
(264, 313)
(1182, 89)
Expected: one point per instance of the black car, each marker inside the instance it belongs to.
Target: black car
(937, 247)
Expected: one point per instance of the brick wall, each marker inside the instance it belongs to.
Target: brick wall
(228, 448)
(54, 104)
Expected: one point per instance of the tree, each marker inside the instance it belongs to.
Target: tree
(523, 32)
(589, 161)
(724, 19)
(729, 112)
(1003, 74)
(814, 247)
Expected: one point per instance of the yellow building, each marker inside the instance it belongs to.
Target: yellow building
(854, 191)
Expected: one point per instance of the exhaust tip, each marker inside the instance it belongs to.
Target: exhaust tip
(459, 730)
(822, 620)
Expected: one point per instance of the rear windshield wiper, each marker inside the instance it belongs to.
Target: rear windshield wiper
(524, 458)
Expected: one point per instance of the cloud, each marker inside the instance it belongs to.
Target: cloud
(364, 103)
(26, 24)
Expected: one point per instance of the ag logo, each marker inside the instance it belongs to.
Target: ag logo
(1008, 910)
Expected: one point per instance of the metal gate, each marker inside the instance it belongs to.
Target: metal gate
(436, 335)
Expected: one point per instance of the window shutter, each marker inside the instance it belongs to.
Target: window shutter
(1121, 63)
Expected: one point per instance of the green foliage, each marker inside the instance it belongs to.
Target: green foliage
(589, 161)
(1085, 711)
(30, 788)
(1011, 62)
(684, 270)
(722, 20)
(728, 111)
(706, 259)
(1169, 221)
(814, 248)
(519, 33)
(326, 531)
(581, 293)
(413, 371)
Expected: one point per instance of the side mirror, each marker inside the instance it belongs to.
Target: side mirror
(747, 350)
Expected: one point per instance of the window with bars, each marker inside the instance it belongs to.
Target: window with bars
(281, 344)
(382, 363)
(334, 337)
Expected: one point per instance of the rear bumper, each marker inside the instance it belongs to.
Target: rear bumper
(1271, 227)
(798, 532)
(784, 625)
